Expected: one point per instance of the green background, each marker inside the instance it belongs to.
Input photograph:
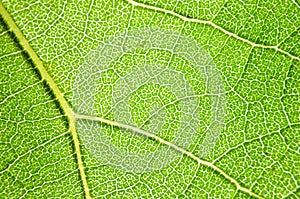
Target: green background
(259, 146)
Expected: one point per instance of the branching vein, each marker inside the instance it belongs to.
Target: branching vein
(52, 85)
(71, 116)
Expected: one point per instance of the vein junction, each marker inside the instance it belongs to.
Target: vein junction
(54, 88)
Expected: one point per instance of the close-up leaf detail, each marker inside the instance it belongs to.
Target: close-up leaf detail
(150, 99)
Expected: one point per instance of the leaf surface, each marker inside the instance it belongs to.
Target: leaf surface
(254, 47)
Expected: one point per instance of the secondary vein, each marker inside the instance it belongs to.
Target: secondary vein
(230, 34)
(170, 144)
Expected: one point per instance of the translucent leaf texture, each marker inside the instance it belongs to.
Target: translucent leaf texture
(122, 82)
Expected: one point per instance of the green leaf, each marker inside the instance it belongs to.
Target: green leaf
(150, 99)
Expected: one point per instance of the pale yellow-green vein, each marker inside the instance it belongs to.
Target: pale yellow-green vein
(52, 85)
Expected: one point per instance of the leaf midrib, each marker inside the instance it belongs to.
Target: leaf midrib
(53, 87)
